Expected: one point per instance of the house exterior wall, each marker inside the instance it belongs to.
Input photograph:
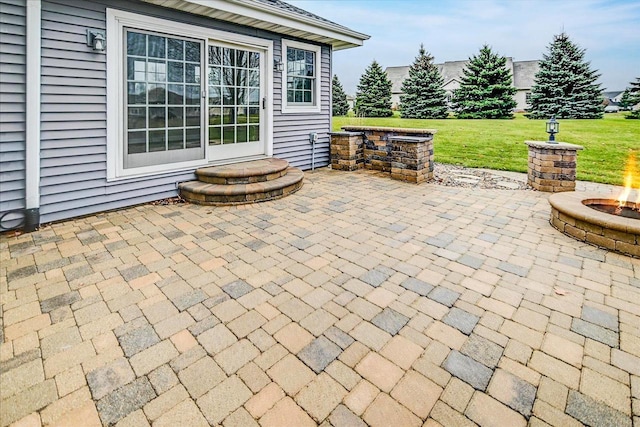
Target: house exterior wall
(73, 136)
(12, 108)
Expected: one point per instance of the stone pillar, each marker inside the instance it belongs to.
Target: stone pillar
(552, 167)
(412, 158)
(347, 151)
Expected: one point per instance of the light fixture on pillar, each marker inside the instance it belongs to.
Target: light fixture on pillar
(278, 65)
(96, 40)
(553, 127)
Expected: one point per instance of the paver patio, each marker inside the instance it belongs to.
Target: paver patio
(357, 301)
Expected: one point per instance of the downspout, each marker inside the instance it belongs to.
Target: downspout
(32, 120)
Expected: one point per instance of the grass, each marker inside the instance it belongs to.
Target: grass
(499, 144)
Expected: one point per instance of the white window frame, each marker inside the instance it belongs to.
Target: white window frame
(299, 108)
(116, 105)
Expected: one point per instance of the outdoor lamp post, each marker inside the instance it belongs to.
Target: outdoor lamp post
(553, 127)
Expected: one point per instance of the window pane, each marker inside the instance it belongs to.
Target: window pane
(192, 51)
(176, 71)
(157, 47)
(299, 55)
(215, 55)
(215, 97)
(241, 58)
(214, 76)
(241, 77)
(228, 76)
(306, 84)
(136, 93)
(157, 117)
(254, 96)
(228, 115)
(254, 60)
(309, 57)
(136, 118)
(254, 133)
(290, 94)
(175, 49)
(307, 96)
(254, 115)
(215, 135)
(254, 78)
(291, 54)
(309, 72)
(228, 135)
(176, 94)
(193, 116)
(228, 56)
(215, 116)
(193, 138)
(243, 96)
(176, 117)
(192, 73)
(176, 139)
(136, 44)
(136, 69)
(136, 142)
(157, 140)
(297, 96)
(241, 134)
(241, 115)
(156, 71)
(229, 96)
(157, 94)
(193, 95)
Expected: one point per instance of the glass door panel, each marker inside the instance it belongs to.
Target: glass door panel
(235, 88)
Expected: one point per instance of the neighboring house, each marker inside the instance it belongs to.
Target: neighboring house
(351, 101)
(613, 97)
(522, 72)
(181, 85)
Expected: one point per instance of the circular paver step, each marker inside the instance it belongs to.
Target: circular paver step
(235, 194)
(244, 173)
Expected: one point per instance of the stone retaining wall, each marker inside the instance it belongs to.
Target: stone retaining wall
(407, 154)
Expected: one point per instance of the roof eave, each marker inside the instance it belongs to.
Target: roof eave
(263, 16)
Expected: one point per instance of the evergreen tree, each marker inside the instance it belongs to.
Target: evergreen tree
(486, 90)
(423, 93)
(565, 86)
(373, 97)
(340, 106)
(634, 90)
(626, 101)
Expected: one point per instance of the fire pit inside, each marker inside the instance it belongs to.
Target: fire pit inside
(614, 207)
(597, 220)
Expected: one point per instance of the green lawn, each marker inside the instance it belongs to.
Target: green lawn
(499, 144)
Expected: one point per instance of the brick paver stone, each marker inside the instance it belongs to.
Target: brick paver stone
(595, 332)
(106, 379)
(319, 354)
(512, 391)
(417, 393)
(592, 412)
(444, 296)
(461, 320)
(417, 286)
(599, 317)
(320, 397)
(201, 377)
(379, 371)
(390, 320)
(384, 410)
(119, 403)
(286, 412)
(468, 370)
(185, 413)
(343, 417)
(223, 399)
(482, 350)
(291, 374)
(488, 412)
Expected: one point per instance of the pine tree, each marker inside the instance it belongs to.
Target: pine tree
(626, 101)
(486, 90)
(340, 106)
(423, 93)
(565, 86)
(634, 90)
(373, 97)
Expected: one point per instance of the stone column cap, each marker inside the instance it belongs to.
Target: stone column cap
(345, 133)
(558, 146)
(389, 129)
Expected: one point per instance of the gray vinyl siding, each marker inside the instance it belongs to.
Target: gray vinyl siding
(73, 135)
(12, 107)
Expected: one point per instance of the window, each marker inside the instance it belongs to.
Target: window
(527, 97)
(301, 77)
(163, 102)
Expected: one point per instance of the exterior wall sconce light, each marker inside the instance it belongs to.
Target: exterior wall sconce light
(278, 65)
(553, 127)
(96, 40)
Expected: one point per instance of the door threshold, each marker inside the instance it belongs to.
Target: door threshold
(237, 160)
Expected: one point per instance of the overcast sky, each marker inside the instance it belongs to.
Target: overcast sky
(452, 30)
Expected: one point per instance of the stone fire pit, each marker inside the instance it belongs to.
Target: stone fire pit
(572, 214)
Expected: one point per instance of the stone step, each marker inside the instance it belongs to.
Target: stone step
(204, 193)
(244, 173)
